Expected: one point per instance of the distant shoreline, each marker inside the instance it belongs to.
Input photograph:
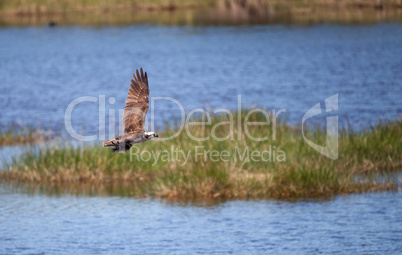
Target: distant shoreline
(196, 12)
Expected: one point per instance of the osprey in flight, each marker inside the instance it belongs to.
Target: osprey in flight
(134, 116)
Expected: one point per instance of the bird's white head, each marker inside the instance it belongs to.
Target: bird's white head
(150, 135)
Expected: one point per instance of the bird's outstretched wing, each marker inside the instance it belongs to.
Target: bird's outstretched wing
(136, 104)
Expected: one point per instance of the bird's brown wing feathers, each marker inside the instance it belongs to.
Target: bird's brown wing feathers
(136, 104)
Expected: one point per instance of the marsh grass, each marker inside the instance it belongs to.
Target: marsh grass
(196, 12)
(33, 7)
(18, 134)
(63, 6)
(368, 161)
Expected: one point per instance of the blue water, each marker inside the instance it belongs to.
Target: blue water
(274, 66)
(65, 224)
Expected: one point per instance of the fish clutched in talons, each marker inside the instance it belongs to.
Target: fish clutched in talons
(120, 147)
(120, 150)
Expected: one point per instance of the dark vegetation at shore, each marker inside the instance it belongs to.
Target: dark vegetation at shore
(369, 160)
(195, 12)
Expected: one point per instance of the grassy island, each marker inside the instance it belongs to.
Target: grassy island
(283, 166)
